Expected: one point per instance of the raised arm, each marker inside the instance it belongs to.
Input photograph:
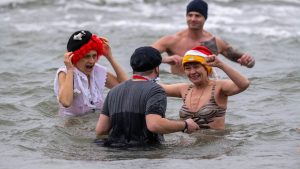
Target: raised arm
(237, 82)
(163, 45)
(121, 76)
(65, 82)
(234, 55)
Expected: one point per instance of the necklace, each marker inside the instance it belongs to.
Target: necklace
(194, 106)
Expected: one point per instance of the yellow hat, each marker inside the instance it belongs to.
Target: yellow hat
(198, 54)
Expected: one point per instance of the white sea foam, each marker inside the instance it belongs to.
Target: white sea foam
(33, 38)
(25, 27)
(123, 1)
(261, 20)
(138, 24)
(5, 2)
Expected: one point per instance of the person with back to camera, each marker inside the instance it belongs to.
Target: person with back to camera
(205, 100)
(134, 111)
(80, 83)
(194, 35)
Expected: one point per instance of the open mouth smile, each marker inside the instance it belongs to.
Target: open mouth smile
(89, 67)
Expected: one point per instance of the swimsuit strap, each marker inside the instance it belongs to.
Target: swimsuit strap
(212, 92)
(184, 98)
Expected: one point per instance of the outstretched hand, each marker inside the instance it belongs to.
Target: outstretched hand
(246, 60)
(172, 60)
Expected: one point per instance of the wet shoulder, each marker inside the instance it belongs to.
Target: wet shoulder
(211, 43)
(153, 87)
(171, 40)
(145, 86)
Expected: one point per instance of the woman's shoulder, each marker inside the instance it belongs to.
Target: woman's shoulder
(100, 74)
(175, 90)
(219, 84)
(62, 69)
(100, 67)
(100, 70)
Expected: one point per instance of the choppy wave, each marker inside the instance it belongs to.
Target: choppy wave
(235, 18)
(11, 4)
(261, 121)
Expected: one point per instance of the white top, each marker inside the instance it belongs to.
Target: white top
(86, 99)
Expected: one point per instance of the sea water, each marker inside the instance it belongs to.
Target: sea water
(261, 122)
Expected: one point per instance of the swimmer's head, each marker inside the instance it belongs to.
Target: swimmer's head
(82, 42)
(198, 54)
(197, 6)
(145, 58)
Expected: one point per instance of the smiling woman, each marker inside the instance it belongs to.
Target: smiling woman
(79, 84)
(205, 100)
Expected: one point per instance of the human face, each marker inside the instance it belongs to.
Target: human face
(87, 62)
(195, 20)
(196, 72)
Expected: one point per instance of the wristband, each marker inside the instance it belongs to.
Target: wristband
(185, 126)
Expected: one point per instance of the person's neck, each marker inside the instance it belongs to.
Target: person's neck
(195, 33)
(139, 77)
(202, 85)
(136, 77)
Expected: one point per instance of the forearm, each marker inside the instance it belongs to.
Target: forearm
(165, 126)
(66, 89)
(238, 79)
(103, 126)
(100, 132)
(232, 54)
(166, 59)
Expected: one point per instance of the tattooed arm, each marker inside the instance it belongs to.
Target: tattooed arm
(234, 55)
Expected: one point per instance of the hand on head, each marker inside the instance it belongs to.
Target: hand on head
(67, 60)
(106, 47)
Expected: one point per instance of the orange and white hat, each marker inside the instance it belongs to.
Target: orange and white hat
(198, 54)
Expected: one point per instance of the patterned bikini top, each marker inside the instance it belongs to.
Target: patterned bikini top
(206, 113)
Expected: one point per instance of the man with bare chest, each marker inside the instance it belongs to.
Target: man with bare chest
(177, 44)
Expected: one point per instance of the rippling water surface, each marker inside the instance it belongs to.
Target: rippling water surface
(261, 122)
